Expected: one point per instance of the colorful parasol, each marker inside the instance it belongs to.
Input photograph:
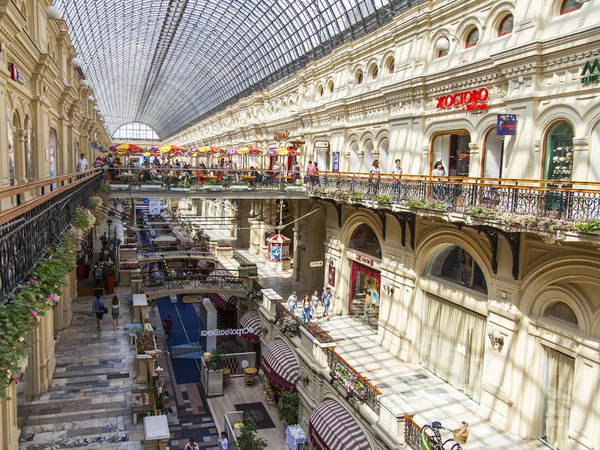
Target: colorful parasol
(282, 151)
(253, 151)
(271, 151)
(170, 149)
(293, 152)
(232, 151)
(127, 147)
(243, 151)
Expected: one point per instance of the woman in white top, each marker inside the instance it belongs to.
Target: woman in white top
(374, 177)
(223, 441)
(438, 171)
(315, 302)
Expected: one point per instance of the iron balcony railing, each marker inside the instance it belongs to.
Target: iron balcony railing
(287, 322)
(412, 434)
(357, 387)
(558, 199)
(241, 259)
(36, 223)
(194, 283)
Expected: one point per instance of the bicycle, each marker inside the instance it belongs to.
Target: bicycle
(431, 437)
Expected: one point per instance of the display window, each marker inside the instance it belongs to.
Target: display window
(558, 161)
(364, 294)
(493, 155)
(455, 265)
(365, 240)
(454, 152)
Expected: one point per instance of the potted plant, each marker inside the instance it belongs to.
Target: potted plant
(211, 375)
(249, 439)
(109, 270)
(216, 360)
(287, 407)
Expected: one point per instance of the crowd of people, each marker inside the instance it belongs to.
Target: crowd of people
(310, 303)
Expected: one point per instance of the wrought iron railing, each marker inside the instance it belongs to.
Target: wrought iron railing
(357, 387)
(412, 433)
(240, 259)
(287, 322)
(29, 229)
(156, 253)
(199, 284)
(196, 179)
(569, 200)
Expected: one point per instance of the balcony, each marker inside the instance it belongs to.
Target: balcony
(197, 183)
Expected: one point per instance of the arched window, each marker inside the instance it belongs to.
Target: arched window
(135, 131)
(390, 65)
(330, 87)
(443, 52)
(365, 240)
(374, 72)
(454, 264)
(562, 311)
(472, 38)
(559, 152)
(570, 6)
(506, 26)
(359, 77)
(320, 91)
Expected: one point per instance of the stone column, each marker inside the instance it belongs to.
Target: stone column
(581, 153)
(474, 160)
(9, 431)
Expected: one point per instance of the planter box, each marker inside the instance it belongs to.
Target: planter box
(151, 187)
(215, 187)
(119, 187)
(180, 189)
(295, 188)
(238, 187)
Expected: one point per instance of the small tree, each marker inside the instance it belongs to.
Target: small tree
(288, 405)
(249, 439)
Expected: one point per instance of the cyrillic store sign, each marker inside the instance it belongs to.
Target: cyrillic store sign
(469, 100)
(591, 72)
(228, 332)
(321, 144)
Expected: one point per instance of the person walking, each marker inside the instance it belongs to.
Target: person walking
(315, 303)
(310, 168)
(99, 309)
(223, 441)
(296, 170)
(191, 445)
(306, 307)
(168, 324)
(326, 297)
(82, 163)
(291, 302)
(114, 311)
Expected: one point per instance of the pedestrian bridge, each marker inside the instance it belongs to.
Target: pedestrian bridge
(212, 284)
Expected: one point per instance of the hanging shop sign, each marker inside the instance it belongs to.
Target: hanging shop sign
(321, 144)
(335, 162)
(278, 135)
(591, 72)
(228, 332)
(506, 124)
(469, 100)
(16, 74)
(363, 259)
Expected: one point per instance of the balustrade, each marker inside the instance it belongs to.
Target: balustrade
(412, 434)
(201, 283)
(356, 386)
(287, 322)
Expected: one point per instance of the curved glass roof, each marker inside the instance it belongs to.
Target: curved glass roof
(169, 63)
(135, 131)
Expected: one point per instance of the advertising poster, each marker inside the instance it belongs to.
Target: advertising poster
(506, 124)
(331, 277)
(29, 133)
(335, 166)
(11, 152)
(52, 155)
(154, 207)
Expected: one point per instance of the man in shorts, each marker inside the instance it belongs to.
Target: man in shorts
(326, 297)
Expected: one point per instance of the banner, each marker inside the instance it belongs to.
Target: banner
(335, 166)
(154, 206)
(506, 124)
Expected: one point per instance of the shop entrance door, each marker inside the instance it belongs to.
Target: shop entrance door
(452, 344)
(364, 294)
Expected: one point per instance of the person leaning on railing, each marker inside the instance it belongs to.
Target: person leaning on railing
(438, 171)
(397, 174)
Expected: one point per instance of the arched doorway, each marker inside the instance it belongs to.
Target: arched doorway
(558, 159)
(453, 150)
(453, 336)
(354, 162)
(493, 155)
(364, 253)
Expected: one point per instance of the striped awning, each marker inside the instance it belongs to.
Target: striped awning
(223, 301)
(251, 320)
(331, 427)
(280, 365)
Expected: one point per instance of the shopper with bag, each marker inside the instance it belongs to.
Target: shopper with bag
(99, 309)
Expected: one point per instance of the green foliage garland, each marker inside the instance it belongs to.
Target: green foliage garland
(26, 306)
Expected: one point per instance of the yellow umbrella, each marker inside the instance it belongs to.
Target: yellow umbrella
(204, 149)
(281, 151)
(243, 151)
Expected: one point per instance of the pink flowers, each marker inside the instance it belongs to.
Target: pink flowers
(34, 313)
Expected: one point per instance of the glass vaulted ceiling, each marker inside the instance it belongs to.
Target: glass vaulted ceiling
(169, 63)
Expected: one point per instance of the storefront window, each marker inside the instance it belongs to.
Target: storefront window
(365, 240)
(453, 150)
(559, 152)
(457, 266)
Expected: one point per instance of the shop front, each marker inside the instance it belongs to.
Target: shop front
(364, 255)
(453, 151)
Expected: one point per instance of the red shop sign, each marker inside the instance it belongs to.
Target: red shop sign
(469, 100)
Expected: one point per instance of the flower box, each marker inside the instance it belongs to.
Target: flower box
(180, 189)
(239, 187)
(119, 187)
(295, 188)
(151, 187)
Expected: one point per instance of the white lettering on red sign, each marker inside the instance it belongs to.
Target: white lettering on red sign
(363, 259)
(469, 100)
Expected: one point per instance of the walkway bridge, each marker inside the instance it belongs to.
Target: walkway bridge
(228, 285)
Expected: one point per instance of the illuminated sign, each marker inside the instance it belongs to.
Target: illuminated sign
(469, 100)
(590, 68)
(365, 260)
(506, 124)
(278, 135)
(321, 144)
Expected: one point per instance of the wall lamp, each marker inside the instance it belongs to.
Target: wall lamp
(496, 339)
(389, 289)
(443, 43)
